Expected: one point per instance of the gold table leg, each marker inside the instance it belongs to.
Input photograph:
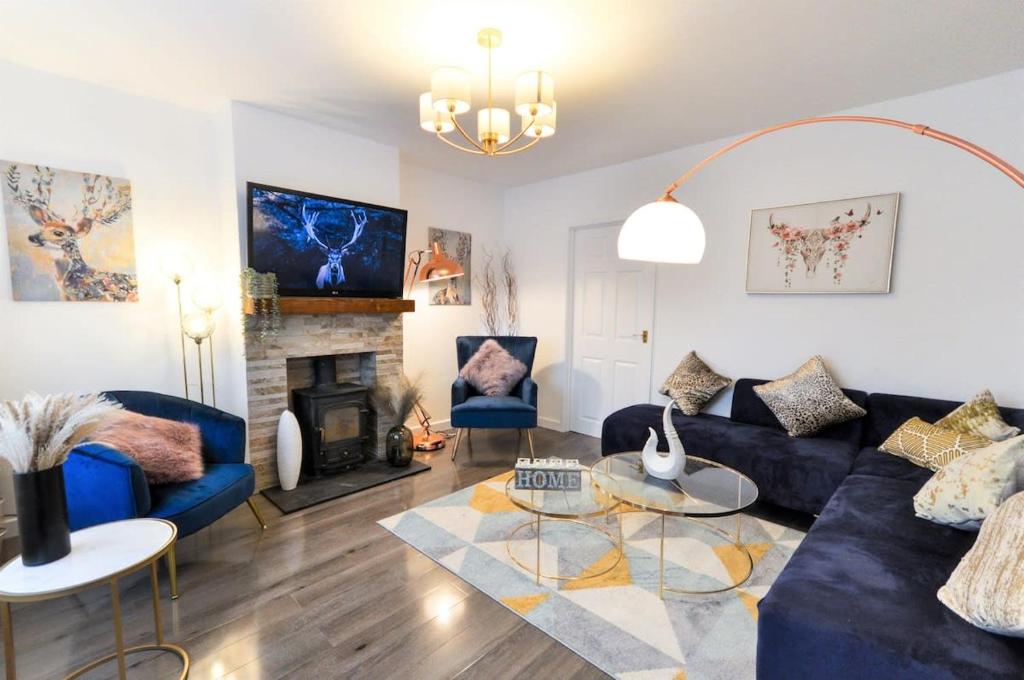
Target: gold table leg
(172, 570)
(122, 651)
(661, 562)
(115, 603)
(5, 613)
(538, 549)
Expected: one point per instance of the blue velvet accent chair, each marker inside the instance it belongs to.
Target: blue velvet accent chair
(104, 485)
(518, 410)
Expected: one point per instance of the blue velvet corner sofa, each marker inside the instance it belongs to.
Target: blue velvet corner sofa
(104, 485)
(858, 598)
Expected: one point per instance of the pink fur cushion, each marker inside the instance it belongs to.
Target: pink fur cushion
(167, 450)
(492, 370)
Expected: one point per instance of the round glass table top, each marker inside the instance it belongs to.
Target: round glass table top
(704, 489)
(591, 499)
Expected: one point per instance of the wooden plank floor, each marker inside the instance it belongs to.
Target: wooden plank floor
(323, 593)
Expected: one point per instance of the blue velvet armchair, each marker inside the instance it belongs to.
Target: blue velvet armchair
(518, 410)
(104, 485)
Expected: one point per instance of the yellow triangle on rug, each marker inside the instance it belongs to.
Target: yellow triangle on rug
(525, 604)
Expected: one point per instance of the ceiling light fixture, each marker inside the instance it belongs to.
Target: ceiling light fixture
(449, 96)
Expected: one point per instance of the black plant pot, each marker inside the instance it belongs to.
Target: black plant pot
(399, 446)
(42, 516)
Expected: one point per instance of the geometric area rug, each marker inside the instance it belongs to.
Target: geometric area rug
(615, 621)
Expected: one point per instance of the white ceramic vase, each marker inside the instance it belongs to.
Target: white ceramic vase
(659, 464)
(289, 451)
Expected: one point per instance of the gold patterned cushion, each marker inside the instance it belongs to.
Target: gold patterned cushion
(985, 588)
(930, 446)
(808, 400)
(693, 384)
(967, 490)
(980, 416)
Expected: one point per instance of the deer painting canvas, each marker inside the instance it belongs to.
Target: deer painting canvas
(843, 246)
(69, 235)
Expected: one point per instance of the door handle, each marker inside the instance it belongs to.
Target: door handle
(643, 336)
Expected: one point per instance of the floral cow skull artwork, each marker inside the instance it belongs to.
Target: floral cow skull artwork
(812, 244)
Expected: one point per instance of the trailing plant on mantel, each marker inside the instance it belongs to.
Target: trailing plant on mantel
(37, 433)
(261, 290)
(495, 316)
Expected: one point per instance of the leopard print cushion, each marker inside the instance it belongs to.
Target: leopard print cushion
(808, 400)
(693, 384)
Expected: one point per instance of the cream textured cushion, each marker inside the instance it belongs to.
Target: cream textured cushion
(808, 400)
(980, 416)
(970, 488)
(987, 588)
(692, 384)
(930, 446)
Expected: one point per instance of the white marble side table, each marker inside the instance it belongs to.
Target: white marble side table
(99, 555)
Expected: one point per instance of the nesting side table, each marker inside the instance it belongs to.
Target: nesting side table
(99, 555)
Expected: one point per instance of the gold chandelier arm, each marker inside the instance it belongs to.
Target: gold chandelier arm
(458, 126)
(449, 142)
(524, 147)
(516, 138)
(973, 149)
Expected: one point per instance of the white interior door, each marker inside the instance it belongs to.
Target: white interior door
(613, 315)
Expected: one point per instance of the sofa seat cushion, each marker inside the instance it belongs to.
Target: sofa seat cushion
(800, 474)
(871, 461)
(858, 597)
(494, 412)
(196, 504)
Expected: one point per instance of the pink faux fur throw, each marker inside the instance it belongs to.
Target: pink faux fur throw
(167, 450)
(492, 370)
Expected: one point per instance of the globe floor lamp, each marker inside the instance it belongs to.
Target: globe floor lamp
(668, 231)
(438, 268)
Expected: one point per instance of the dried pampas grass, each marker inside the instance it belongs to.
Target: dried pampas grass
(38, 433)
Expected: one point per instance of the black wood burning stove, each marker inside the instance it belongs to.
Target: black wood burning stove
(336, 421)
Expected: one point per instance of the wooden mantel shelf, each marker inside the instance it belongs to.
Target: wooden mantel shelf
(339, 305)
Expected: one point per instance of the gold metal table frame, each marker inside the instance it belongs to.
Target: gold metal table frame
(733, 540)
(121, 651)
(569, 517)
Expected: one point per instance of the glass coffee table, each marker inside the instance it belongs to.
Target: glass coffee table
(705, 489)
(591, 502)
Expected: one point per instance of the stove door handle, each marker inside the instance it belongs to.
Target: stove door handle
(323, 437)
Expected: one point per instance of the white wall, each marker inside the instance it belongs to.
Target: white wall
(437, 200)
(953, 322)
(169, 154)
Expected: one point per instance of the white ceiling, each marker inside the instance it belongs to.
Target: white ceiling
(632, 77)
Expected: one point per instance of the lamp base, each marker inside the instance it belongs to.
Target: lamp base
(428, 441)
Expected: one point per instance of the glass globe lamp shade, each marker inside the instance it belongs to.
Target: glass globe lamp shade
(207, 296)
(662, 231)
(449, 90)
(198, 325)
(493, 124)
(433, 120)
(176, 266)
(541, 125)
(535, 93)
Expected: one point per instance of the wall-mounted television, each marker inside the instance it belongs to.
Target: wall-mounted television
(319, 246)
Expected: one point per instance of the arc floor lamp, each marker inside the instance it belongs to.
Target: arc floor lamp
(668, 231)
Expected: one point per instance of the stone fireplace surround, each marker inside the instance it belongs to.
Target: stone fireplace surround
(367, 349)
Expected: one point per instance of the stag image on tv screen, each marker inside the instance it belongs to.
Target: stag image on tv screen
(317, 245)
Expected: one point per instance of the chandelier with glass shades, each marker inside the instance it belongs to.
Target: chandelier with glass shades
(449, 97)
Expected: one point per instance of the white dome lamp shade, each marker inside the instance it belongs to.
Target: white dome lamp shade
(662, 231)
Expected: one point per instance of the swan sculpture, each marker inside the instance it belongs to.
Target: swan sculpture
(664, 465)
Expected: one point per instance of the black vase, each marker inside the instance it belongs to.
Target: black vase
(42, 515)
(399, 446)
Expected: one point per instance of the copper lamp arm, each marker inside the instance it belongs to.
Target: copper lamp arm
(973, 149)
